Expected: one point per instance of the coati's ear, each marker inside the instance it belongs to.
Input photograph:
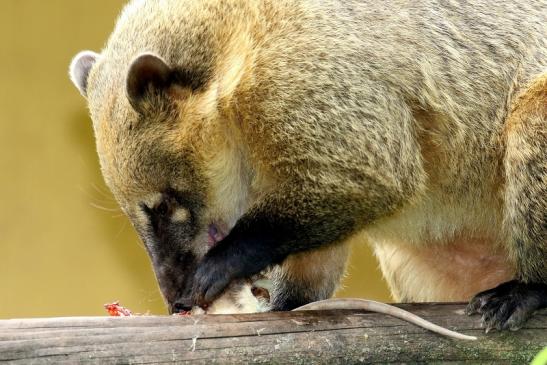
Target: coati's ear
(148, 75)
(80, 67)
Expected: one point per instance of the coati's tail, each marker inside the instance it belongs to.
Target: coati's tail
(373, 306)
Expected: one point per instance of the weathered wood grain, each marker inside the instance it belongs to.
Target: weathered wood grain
(326, 337)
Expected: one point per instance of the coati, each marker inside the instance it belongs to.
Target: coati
(245, 135)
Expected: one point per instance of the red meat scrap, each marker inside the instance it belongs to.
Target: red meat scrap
(116, 310)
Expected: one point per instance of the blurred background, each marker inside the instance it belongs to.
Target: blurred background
(65, 248)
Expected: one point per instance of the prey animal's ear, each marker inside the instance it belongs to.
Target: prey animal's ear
(80, 67)
(148, 76)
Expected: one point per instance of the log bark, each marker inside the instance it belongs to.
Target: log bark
(325, 337)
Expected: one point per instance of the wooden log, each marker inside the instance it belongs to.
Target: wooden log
(326, 337)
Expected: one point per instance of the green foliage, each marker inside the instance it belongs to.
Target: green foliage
(541, 358)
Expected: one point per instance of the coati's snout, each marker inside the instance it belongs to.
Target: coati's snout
(177, 236)
(169, 225)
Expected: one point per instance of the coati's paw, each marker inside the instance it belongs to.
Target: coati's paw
(213, 276)
(222, 265)
(229, 260)
(509, 305)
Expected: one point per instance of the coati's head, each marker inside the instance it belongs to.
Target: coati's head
(158, 96)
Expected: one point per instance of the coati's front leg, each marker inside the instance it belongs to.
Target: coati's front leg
(510, 304)
(288, 221)
(293, 219)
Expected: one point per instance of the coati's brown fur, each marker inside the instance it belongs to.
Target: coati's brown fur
(288, 127)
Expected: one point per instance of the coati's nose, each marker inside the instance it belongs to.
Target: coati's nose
(181, 305)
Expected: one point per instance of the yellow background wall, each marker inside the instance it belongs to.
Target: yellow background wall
(65, 248)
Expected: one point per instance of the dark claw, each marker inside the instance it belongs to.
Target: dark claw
(477, 304)
(509, 305)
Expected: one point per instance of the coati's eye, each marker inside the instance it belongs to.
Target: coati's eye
(171, 207)
(159, 214)
(163, 208)
(170, 216)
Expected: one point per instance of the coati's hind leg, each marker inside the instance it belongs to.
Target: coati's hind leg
(510, 304)
(308, 276)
